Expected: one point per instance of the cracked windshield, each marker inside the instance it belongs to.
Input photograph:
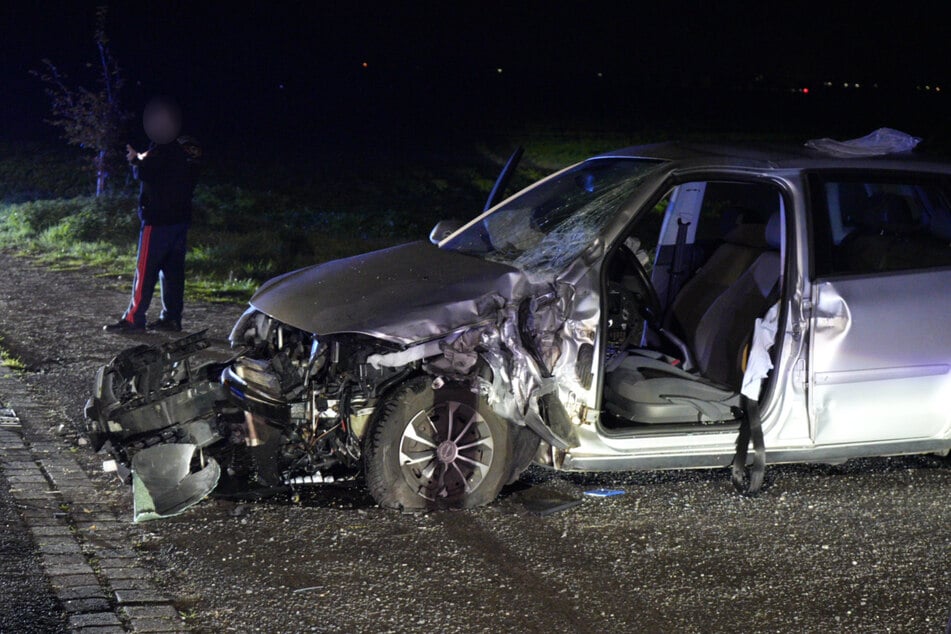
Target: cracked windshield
(548, 226)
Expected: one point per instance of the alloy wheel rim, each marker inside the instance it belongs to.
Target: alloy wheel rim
(446, 451)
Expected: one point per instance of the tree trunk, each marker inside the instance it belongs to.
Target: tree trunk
(101, 173)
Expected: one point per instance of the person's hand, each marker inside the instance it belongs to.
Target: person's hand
(131, 154)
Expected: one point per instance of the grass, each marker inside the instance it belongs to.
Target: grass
(9, 360)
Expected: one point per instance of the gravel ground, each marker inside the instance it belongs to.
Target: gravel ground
(860, 547)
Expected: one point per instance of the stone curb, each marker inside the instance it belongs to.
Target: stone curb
(93, 571)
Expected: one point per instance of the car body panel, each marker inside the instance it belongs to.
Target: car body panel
(404, 294)
(881, 357)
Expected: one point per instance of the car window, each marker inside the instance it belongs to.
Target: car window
(877, 224)
(727, 204)
(547, 226)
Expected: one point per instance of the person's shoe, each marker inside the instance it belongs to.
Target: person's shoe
(122, 327)
(166, 325)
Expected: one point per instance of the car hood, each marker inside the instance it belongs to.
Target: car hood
(403, 294)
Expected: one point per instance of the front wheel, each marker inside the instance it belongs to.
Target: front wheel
(434, 449)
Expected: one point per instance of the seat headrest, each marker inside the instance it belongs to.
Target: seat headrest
(747, 235)
(734, 215)
(886, 212)
(774, 231)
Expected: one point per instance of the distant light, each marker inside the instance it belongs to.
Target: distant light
(805, 91)
(857, 85)
(498, 70)
(280, 86)
(845, 85)
(927, 87)
(827, 84)
(600, 74)
(365, 64)
(937, 88)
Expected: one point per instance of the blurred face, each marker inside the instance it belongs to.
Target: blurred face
(162, 122)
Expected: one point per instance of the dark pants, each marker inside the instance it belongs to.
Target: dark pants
(161, 259)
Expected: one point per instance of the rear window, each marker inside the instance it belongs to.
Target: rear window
(880, 223)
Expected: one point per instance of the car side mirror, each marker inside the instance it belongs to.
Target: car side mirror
(443, 229)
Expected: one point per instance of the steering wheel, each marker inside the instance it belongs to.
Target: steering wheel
(648, 303)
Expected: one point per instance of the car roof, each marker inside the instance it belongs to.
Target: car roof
(772, 156)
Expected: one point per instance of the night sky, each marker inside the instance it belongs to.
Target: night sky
(318, 72)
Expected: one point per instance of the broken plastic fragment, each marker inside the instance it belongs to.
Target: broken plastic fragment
(163, 483)
(604, 493)
(879, 142)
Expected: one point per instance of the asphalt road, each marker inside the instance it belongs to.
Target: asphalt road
(860, 547)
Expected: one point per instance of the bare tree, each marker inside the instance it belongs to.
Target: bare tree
(91, 119)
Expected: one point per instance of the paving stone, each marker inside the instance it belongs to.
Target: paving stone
(94, 619)
(80, 592)
(42, 509)
(66, 548)
(18, 472)
(31, 493)
(70, 559)
(18, 464)
(25, 479)
(78, 606)
(101, 629)
(69, 569)
(150, 612)
(57, 544)
(17, 453)
(18, 475)
(71, 581)
(51, 531)
(36, 517)
(125, 597)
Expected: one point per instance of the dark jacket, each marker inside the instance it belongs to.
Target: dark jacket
(165, 197)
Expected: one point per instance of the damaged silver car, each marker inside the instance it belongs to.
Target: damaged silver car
(658, 307)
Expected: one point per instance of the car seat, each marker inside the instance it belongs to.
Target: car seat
(735, 286)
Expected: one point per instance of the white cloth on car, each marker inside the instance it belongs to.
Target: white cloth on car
(759, 363)
(882, 141)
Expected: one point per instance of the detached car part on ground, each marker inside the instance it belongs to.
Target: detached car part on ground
(658, 307)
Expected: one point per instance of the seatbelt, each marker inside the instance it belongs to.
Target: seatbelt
(749, 480)
(678, 269)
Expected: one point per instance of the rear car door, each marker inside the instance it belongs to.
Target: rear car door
(880, 366)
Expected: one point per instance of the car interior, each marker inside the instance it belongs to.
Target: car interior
(676, 359)
(882, 226)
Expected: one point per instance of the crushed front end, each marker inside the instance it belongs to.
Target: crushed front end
(285, 411)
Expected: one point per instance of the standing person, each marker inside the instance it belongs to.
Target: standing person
(167, 173)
